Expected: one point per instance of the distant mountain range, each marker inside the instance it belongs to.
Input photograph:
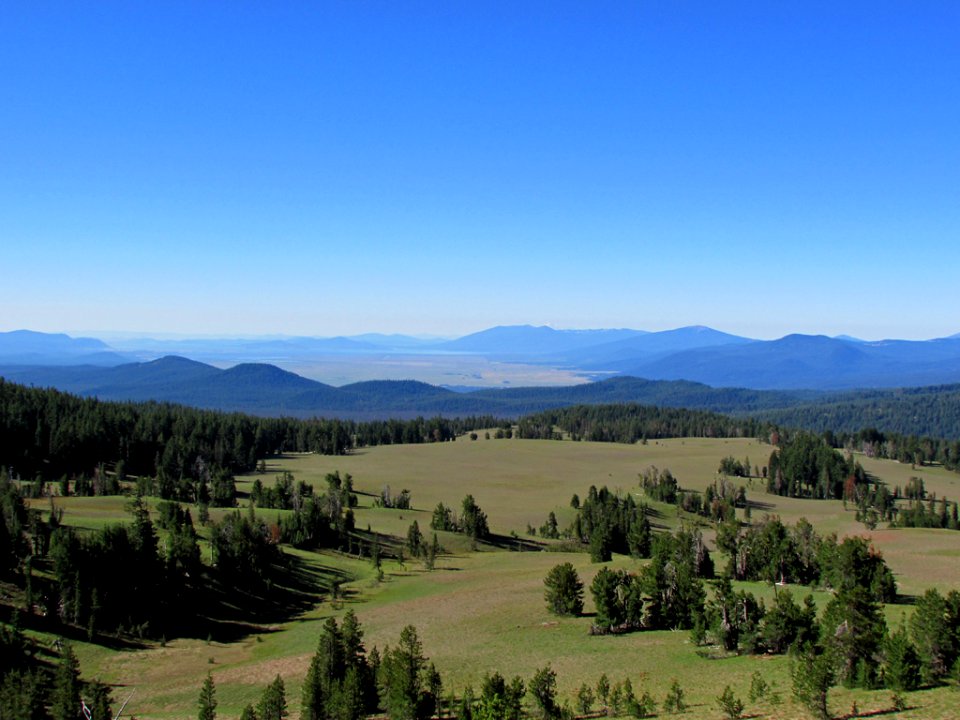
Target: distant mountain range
(698, 354)
(25, 347)
(528, 342)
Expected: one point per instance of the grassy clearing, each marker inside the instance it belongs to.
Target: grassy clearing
(518, 482)
(484, 611)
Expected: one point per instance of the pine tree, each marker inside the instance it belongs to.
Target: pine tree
(414, 539)
(65, 697)
(273, 702)
(207, 704)
(932, 635)
(99, 696)
(901, 669)
(731, 705)
(401, 678)
(543, 688)
(603, 690)
(853, 629)
(813, 676)
(673, 702)
(564, 593)
(22, 695)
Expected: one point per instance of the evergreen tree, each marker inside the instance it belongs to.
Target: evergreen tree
(99, 705)
(207, 703)
(618, 598)
(730, 704)
(473, 520)
(673, 702)
(514, 695)
(901, 667)
(401, 678)
(273, 701)
(934, 635)
(585, 693)
(603, 690)
(733, 615)
(22, 695)
(65, 696)
(322, 687)
(492, 704)
(853, 630)
(786, 623)
(640, 536)
(813, 676)
(564, 591)
(671, 580)
(414, 539)
(600, 544)
(433, 549)
(543, 688)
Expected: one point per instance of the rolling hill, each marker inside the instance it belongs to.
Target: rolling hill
(263, 389)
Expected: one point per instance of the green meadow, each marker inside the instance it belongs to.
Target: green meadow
(482, 610)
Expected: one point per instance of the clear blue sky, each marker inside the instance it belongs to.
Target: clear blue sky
(343, 167)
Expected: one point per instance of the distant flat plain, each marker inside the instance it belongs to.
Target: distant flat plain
(459, 370)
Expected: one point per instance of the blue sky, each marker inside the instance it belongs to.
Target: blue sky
(337, 168)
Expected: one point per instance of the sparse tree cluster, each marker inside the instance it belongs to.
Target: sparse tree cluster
(608, 522)
(735, 468)
(769, 550)
(472, 521)
(396, 502)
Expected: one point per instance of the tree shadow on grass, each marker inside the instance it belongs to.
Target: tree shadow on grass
(51, 625)
(293, 587)
(759, 505)
(516, 543)
(875, 713)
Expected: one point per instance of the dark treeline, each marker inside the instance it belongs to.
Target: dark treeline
(90, 446)
(49, 435)
(629, 423)
(932, 411)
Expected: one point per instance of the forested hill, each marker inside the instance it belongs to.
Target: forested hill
(927, 411)
(265, 390)
(262, 389)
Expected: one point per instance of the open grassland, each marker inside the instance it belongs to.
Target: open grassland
(484, 611)
(518, 482)
(935, 478)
